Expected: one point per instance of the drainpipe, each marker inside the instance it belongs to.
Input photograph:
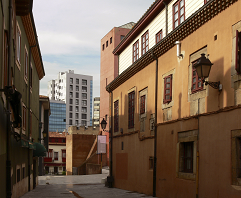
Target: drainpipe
(8, 143)
(29, 76)
(111, 141)
(166, 16)
(197, 166)
(155, 135)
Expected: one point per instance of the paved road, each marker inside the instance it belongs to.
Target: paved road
(80, 186)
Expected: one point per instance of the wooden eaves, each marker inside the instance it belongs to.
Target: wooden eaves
(191, 24)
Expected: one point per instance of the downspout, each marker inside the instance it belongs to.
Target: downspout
(29, 75)
(166, 16)
(111, 141)
(8, 161)
(155, 135)
(197, 166)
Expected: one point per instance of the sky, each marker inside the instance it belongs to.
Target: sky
(69, 33)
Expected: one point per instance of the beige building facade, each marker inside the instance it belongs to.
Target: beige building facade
(173, 135)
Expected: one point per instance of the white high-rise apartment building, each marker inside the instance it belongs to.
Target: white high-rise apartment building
(76, 91)
(96, 117)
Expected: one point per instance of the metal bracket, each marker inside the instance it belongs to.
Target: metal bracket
(215, 85)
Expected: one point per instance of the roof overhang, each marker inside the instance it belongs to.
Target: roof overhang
(23, 7)
(191, 24)
(30, 29)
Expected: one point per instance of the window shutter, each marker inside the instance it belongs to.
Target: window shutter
(167, 89)
(237, 54)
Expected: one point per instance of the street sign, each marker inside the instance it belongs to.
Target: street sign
(101, 144)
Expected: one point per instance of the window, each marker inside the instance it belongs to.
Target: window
(110, 40)
(70, 122)
(64, 155)
(70, 115)
(77, 109)
(24, 118)
(70, 108)
(77, 81)
(71, 94)
(84, 89)
(237, 54)
(84, 82)
(116, 116)
(84, 116)
(76, 116)
(151, 163)
(71, 80)
(23, 172)
(6, 59)
(131, 108)
(77, 102)
(84, 96)
(26, 65)
(142, 104)
(70, 101)
(76, 122)
(197, 83)
(178, 13)
(71, 87)
(186, 157)
(159, 36)
(84, 103)
(84, 109)
(77, 94)
(145, 42)
(56, 157)
(18, 175)
(135, 51)
(106, 43)
(77, 88)
(83, 123)
(205, 1)
(18, 44)
(30, 123)
(103, 47)
(122, 36)
(167, 89)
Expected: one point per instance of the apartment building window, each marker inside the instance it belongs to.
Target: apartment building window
(84, 96)
(84, 116)
(70, 108)
(237, 53)
(63, 155)
(18, 44)
(142, 104)
(83, 123)
(84, 102)
(131, 108)
(56, 156)
(77, 94)
(84, 82)
(77, 88)
(23, 172)
(77, 81)
(103, 47)
(71, 80)
(24, 118)
(159, 36)
(135, 51)
(122, 36)
(145, 42)
(70, 122)
(18, 175)
(110, 40)
(76, 116)
(71, 87)
(70, 101)
(84, 109)
(178, 13)
(76, 122)
(84, 89)
(30, 123)
(205, 1)
(77, 109)
(167, 89)
(116, 116)
(77, 102)
(197, 83)
(26, 65)
(70, 115)
(106, 43)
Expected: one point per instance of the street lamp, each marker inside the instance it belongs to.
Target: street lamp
(44, 135)
(103, 124)
(203, 67)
